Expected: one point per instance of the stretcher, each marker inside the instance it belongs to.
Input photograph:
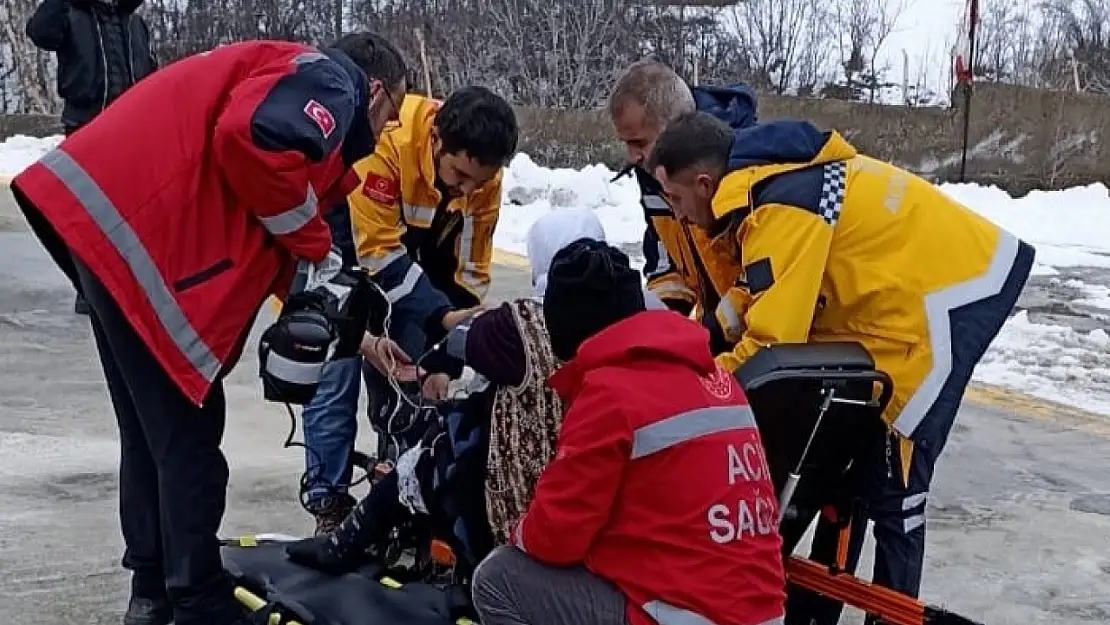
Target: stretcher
(817, 407)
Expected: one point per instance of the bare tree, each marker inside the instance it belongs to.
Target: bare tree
(775, 35)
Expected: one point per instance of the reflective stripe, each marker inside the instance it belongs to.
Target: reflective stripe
(666, 614)
(654, 202)
(403, 290)
(687, 426)
(293, 219)
(108, 219)
(730, 320)
(468, 269)
(293, 371)
(304, 58)
(912, 523)
(938, 308)
(913, 501)
(377, 264)
(423, 215)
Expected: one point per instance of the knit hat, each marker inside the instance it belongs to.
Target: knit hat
(590, 287)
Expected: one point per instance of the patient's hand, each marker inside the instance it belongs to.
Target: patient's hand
(388, 358)
(436, 386)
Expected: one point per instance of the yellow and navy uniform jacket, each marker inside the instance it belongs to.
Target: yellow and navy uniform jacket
(680, 265)
(428, 251)
(837, 246)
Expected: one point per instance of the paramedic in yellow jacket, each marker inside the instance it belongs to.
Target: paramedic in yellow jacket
(424, 217)
(831, 245)
(679, 266)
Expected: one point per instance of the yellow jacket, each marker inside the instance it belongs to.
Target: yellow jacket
(419, 243)
(837, 246)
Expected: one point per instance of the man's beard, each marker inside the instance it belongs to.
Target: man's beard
(440, 185)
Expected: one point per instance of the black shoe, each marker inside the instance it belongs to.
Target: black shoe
(142, 611)
(80, 306)
(330, 512)
(323, 554)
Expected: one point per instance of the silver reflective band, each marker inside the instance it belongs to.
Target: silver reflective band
(938, 308)
(909, 524)
(422, 214)
(304, 58)
(913, 501)
(403, 290)
(467, 268)
(666, 614)
(687, 426)
(293, 219)
(655, 202)
(292, 371)
(108, 219)
(377, 264)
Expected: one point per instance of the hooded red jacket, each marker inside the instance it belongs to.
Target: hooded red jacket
(191, 196)
(659, 483)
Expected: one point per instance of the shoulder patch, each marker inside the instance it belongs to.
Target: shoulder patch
(760, 275)
(323, 118)
(380, 188)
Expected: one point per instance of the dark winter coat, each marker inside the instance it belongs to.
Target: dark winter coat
(103, 48)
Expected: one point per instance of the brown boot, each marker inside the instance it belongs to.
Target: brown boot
(330, 512)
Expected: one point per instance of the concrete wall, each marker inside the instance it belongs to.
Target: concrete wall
(1020, 138)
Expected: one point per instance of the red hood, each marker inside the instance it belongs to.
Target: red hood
(651, 336)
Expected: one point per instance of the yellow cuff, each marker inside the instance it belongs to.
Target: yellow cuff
(729, 361)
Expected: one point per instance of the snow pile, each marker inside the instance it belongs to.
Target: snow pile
(1069, 227)
(529, 191)
(1052, 362)
(19, 151)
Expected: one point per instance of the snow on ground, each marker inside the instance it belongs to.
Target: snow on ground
(19, 151)
(1069, 229)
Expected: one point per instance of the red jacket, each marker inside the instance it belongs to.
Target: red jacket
(659, 483)
(192, 195)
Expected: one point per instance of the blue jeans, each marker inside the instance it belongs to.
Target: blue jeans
(330, 427)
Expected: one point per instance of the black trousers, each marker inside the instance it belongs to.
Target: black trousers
(173, 475)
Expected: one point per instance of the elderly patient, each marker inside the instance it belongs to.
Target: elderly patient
(517, 417)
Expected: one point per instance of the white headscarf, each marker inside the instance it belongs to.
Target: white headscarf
(553, 232)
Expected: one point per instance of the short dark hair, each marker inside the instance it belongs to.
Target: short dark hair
(375, 56)
(692, 139)
(479, 122)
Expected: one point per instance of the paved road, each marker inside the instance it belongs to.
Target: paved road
(1018, 526)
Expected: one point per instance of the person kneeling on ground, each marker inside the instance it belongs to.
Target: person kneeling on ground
(658, 506)
(509, 347)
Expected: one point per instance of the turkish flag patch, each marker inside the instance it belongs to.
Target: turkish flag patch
(380, 188)
(322, 116)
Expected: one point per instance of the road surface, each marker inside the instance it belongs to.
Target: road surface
(1018, 520)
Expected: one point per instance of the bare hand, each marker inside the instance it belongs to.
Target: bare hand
(455, 317)
(387, 357)
(436, 386)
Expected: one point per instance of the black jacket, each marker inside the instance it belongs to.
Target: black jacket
(102, 50)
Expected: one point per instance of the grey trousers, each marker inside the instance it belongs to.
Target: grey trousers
(511, 588)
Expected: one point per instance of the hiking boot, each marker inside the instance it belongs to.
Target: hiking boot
(143, 611)
(330, 512)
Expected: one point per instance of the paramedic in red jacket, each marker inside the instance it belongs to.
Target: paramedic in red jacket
(658, 506)
(176, 213)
